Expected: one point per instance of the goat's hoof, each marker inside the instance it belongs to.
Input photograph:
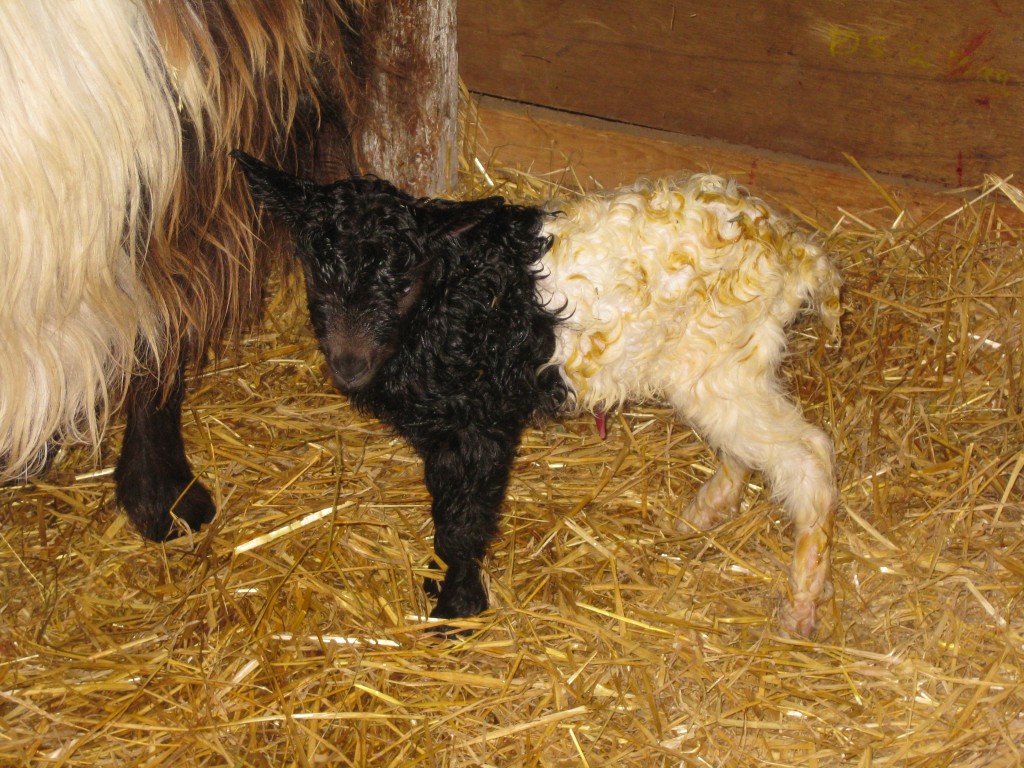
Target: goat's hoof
(149, 506)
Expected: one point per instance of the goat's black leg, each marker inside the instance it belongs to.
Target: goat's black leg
(467, 474)
(153, 475)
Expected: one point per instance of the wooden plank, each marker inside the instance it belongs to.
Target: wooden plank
(591, 153)
(930, 89)
(408, 118)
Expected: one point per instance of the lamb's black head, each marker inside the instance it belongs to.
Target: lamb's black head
(369, 252)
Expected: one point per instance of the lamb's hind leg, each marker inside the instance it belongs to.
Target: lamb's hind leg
(760, 428)
(719, 498)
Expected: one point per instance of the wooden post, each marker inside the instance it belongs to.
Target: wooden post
(406, 129)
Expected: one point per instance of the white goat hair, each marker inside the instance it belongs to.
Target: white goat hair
(684, 289)
(72, 300)
(126, 246)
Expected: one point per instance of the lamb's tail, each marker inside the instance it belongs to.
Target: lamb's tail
(823, 285)
(811, 279)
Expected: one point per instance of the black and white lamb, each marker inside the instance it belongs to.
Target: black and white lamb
(456, 322)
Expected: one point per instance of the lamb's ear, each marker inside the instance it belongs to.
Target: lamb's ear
(447, 218)
(286, 196)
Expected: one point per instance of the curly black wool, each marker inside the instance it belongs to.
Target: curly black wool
(427, 314)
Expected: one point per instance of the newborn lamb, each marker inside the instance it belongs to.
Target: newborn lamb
(457, 322)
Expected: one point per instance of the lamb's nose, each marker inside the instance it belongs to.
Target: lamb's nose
(350, 370)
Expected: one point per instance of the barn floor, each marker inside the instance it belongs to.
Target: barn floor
(290, 633)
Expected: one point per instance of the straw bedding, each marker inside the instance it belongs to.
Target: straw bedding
(291, 632)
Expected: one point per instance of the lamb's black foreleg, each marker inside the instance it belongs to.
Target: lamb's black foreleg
(153, 475)
(466, 473)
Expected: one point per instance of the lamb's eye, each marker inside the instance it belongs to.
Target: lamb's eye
(406, 297)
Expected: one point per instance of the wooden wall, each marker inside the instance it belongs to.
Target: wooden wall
(928, 90)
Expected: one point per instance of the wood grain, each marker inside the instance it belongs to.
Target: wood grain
(929, 90)
(589, 153)
(409, 116)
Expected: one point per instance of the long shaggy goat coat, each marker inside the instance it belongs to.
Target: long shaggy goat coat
(126, 247)
(456, 322)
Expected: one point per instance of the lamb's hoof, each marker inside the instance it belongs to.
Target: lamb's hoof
(716, 500)
(450, 632)
(456, 599)
(699, 515)
(445, 609)
(799, 618)
(150, 503)
(432, 586)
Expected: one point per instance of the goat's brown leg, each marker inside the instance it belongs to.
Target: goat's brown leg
(153, 475)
